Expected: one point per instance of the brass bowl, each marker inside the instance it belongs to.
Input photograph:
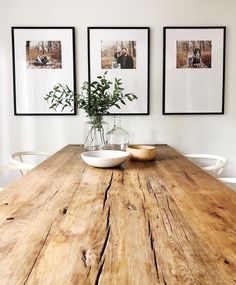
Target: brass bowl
(141, 152)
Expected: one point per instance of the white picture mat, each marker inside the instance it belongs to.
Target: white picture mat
(31, 85)
(134, 80)
(195, 90)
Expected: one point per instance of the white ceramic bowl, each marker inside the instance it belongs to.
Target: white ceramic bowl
(104, 158)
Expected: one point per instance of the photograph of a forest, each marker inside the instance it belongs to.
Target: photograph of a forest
(193, 54)
(118, 54)
(43, 54)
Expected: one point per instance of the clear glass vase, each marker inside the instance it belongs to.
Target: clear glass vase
(94, 134)
(117, 138)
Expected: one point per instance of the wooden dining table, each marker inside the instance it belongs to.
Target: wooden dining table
(159, 222)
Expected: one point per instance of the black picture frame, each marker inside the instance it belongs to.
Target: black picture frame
(42, 58)
(191, 85)
(135, 79)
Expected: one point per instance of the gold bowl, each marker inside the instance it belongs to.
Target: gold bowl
(141, 152)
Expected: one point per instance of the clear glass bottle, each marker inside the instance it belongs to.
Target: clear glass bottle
(117, 138)
(94, 134)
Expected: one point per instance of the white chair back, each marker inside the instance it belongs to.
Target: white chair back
(18, 158)
(215, 165)
(230, 181)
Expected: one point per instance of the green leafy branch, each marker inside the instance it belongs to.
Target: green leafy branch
(96, 98)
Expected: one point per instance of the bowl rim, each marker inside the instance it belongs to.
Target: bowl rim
(123, 154)
(141, 147)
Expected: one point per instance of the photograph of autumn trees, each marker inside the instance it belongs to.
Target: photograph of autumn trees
(118, 54)
(43, 54)
(193, 54)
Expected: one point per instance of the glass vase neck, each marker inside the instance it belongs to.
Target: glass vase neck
(117, 121)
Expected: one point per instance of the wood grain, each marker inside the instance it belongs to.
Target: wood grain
(160, 222)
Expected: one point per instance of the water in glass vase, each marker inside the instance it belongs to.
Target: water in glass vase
(117, 138)
(94, 134)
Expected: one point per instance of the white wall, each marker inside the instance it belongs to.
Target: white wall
(203, 133)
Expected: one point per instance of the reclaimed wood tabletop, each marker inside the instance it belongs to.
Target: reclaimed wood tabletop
(159, 222)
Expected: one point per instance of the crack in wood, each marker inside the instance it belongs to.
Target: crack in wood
(49, 199)
(44, 241)
(104, 245)
(99, 273)
(107, 190)
(54, 194)
(151, 239)
(162, 219)
(220, 207)
(149, 187)
(87, 276)
(139, 181)
(170, 210)
(10, 218)
(153, 250)
(123, 177)
(151, 190)
(140, 187)
(131, 207)
(162, 187)
(144, 211)
(216, 215)
(190, 179)
(144, 197)
(108, 218)
(149, 228)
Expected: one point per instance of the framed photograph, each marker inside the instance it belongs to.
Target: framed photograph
(124, 53)
(193, 70)
(42, 58)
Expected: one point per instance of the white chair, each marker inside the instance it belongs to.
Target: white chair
(19, 159)
(230, 181)
(211, 163)
(7, 168)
